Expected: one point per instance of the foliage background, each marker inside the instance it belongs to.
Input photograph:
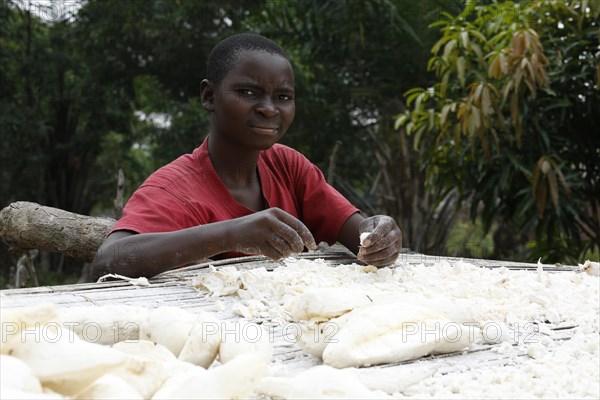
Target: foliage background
(89, 87)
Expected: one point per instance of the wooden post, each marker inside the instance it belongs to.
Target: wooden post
(119, 197)
(333, 162)
(26, 270)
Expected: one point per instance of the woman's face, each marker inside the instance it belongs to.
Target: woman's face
(254, 103)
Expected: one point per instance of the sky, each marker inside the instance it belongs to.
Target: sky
(51, 10)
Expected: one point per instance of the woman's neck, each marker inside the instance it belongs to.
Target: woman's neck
(233, 164)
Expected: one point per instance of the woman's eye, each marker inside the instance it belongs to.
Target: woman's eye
(285, 97)
(246, 92)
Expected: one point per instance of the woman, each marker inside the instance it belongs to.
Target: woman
(240, 192)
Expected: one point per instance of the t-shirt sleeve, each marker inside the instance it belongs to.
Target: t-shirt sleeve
(324, 209)
(154, 209)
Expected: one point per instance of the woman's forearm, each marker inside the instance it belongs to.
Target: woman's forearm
(149, 254)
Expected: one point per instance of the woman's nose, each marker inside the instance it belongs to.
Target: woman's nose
(267, 108)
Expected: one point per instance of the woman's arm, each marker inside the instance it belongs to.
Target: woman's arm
(272, 232)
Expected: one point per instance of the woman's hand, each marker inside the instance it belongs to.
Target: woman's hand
(384, 242)
(271, 232)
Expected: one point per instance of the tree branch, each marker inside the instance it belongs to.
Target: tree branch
(26, 226)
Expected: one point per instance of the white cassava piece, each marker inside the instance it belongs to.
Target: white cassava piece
(148, 366)
(242, 337)
(322, 382)
(590, 268)
(14, 321)
(168, 326)
(66, 364)
(110, 386)
(322, 304)
(204, 339)
(17, 375)
(391, 333)
(220, 282)
(364, 236)
(236, 379)
(141, 281)
(116, 323)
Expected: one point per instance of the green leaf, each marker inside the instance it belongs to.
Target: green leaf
(448, 49)
(477, 50)
(444, 114)
(558, 103)
(437, 46)
(518, 164)
(400, 120)
(477, 94)
(444, 83)
(417, 138)
(552, 184)
(464, 39)
(478, 35)
(460, 69)
(422, 97)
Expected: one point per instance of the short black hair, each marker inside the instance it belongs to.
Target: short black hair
(223, 57)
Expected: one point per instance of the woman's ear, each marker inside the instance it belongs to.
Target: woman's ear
(207, 95)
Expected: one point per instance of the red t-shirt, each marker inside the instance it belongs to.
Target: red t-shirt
(188, 192)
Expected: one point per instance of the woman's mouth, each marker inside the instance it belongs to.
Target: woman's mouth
(264, 130)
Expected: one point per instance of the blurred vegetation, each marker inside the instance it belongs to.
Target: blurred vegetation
(513, 121)
(115, 84)
(469, 239)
